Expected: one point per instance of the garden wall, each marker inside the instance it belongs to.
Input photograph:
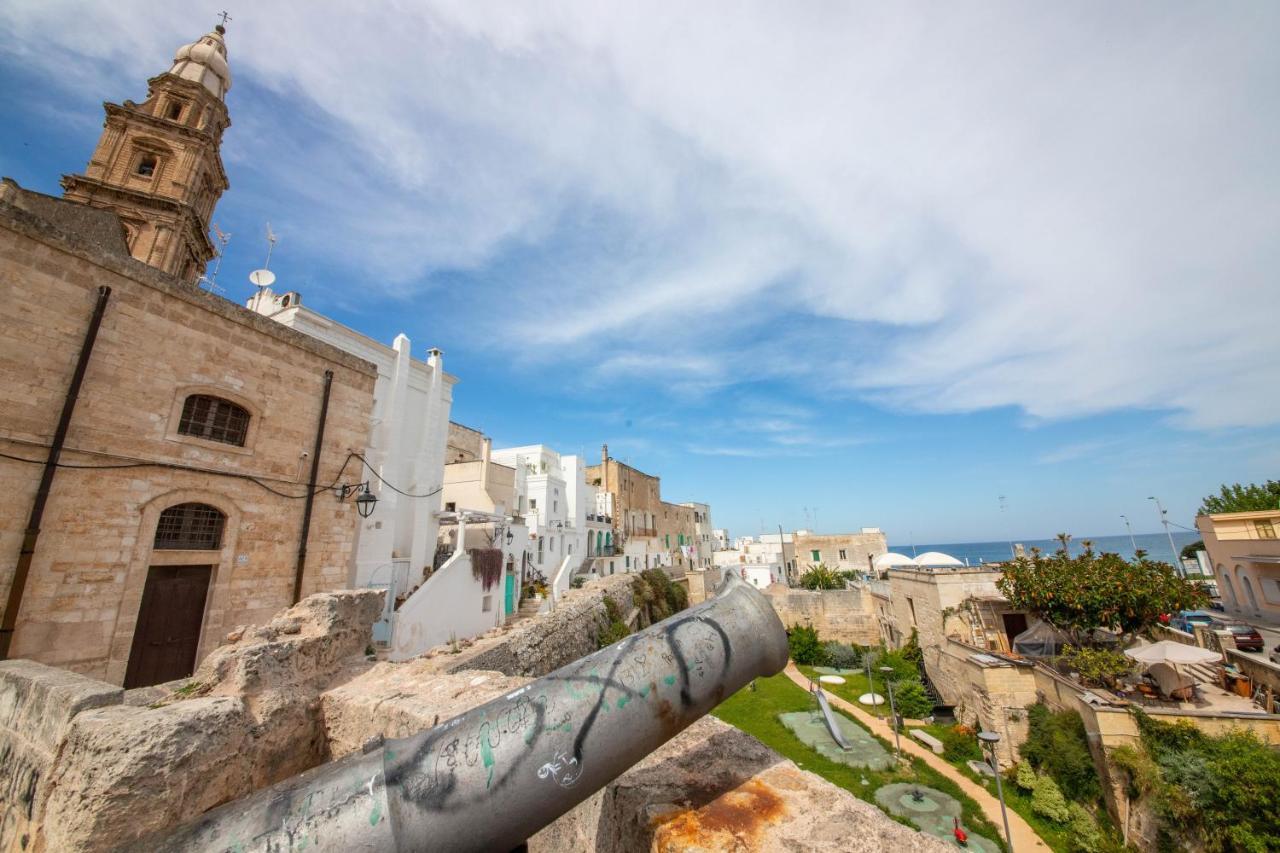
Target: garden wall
(987, 695)
(844, 615)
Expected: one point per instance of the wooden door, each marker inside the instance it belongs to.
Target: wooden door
(1014, 624)
(167, 635)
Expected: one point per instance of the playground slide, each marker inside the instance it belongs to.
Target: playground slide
(830, 718)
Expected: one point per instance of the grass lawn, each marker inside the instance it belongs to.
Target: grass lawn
(1057, 836)
(756, 712)
(855, 684)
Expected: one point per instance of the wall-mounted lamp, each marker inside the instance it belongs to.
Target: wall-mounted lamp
(365, 500)
(510, 536)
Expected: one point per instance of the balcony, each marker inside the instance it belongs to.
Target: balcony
(643, 531)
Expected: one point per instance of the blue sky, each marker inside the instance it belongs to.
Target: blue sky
(850, 263)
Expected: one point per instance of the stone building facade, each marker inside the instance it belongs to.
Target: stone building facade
(1245, 554)
(177, 509)
(843, 552)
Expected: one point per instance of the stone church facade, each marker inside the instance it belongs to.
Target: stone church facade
(184, 484)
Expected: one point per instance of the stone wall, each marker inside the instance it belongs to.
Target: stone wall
(110, 771)
(160, 340)
(836, 614)
(986, 694)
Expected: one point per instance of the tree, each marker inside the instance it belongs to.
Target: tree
(821, 577)
(911, 699)
(1238, 498)
(1189, 552)
(805, 646)
(1080, 594)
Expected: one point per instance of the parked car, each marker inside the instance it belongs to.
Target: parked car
(1246, 636)
(1187, 620)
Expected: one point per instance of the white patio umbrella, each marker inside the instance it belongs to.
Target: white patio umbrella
(1162, 661)
(1167, 651)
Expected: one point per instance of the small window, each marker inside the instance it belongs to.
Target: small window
(486, 604)
(215, 419)
(190, 527)
(555, 506)
(843, 556)
(533, 503)
(175, 110)
(146, 166)
(628, 562)
(816, 556)
(450, 506)
(1266, 530)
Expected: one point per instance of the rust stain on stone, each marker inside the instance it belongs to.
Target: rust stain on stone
(730, 822)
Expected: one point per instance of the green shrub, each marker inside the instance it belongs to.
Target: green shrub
(578, 582)
(902, 667)
(911, 651)
(657, 596)
(1086, 837)
(1057, 745)
(1047, 800)
(1098, 667)
(961, 744)
(911, 699)
(617, 627)
(843, 655)
(1026, 776)
(805, 646)
(821, 577)
(1222, 791)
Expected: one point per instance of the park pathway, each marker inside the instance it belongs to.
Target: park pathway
(1024, 837)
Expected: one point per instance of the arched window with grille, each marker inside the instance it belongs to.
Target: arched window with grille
(190, 527)
(214, 419)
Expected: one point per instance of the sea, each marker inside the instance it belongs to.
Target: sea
(975, 553)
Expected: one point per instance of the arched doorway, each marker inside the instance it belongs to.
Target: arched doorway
(1248, 590)
(1228, 590)
(166, 636)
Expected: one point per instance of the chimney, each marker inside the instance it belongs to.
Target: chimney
(486, 445)
(604, 467)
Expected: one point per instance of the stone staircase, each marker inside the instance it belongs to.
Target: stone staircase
(528, 608)
(1203, 673)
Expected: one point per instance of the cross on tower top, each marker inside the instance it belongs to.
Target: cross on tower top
(225, 17)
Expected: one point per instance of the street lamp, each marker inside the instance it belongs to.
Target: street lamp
(1164, 519)
(365, 500)
(989, 740)
(893, 708)
(1132, 541)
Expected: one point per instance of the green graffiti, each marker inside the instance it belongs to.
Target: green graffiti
(622, 701)
(644, 691)
(376, 814)
(486, 753)
(670, 679)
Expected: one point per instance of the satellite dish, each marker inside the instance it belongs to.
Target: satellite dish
(262, 278)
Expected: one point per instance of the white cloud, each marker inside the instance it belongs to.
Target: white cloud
(1068, 209)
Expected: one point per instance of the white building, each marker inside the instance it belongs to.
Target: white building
(408, 431)
(557, 503)
(723, 542)
(758, 560)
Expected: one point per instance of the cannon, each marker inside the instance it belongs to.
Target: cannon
(487, 780)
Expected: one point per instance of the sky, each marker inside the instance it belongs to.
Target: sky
(824, 265)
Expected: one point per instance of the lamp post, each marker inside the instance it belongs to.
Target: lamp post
(1164, 519)
(989, 740)
(893, 709)
(1132, 541)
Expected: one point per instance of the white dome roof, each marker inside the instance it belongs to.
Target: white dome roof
(205, 62)
(937, 558)
(886, 561)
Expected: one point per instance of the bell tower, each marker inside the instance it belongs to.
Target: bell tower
(158, 163)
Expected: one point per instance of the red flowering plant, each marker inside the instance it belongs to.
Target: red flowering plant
(1080, 594)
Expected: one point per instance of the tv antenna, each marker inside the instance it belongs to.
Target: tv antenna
(264, 278)
(211, 281)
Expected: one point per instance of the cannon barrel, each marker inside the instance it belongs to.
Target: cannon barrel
(490, 778)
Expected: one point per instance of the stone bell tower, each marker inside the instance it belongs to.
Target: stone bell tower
(158, 164)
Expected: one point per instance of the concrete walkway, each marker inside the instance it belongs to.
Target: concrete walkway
(1024, 837)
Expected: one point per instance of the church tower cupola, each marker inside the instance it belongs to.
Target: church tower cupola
(158, 164)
